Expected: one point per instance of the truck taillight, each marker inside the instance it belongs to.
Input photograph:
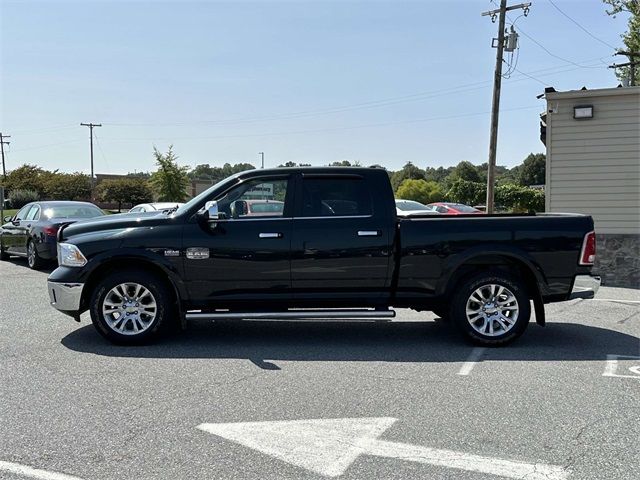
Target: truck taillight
(588, 252)
(50, 230)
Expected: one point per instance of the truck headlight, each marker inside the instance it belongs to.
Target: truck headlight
(70, 256)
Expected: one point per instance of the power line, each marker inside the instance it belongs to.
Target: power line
(550, 52)
(531, 77)
(581, 27)
(372, 104)
(323, 130)
(104, 157)
(37, 147)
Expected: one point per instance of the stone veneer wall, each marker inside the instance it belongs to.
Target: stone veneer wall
(618, 259)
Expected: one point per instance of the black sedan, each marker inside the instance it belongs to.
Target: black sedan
(31, 232)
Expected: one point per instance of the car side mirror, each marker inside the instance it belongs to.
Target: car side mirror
(7, 218)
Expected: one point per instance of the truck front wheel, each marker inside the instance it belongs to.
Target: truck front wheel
(491, 308)
(130, 307)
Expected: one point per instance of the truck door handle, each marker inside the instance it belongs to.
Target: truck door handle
(369, 233)
(270, 235)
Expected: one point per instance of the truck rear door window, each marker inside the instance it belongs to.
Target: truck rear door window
(328, 197)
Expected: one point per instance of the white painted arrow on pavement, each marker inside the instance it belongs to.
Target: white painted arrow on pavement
(330, 446)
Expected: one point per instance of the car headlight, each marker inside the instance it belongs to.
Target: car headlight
(70, 256)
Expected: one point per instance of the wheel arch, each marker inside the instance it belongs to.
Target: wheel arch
(115, 264)
(509, 262)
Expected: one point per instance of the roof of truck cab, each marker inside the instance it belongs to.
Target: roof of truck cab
(330, 170)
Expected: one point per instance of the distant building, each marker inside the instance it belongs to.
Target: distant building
(593, 167)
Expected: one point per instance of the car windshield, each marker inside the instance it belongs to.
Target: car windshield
(72, 211)
(464, 208)
(407, 205)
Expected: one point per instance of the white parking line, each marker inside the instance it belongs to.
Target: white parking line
(616, 300)
(611, 367)
(474, 357)
(31, 472)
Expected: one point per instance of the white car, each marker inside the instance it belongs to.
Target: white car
(408, 208)
(155, 207)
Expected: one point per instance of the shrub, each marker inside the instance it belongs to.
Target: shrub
(19, 198)
(419, 190)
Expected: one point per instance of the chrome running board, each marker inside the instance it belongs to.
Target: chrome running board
(347, 314)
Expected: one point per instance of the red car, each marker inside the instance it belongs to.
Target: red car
(454, 208)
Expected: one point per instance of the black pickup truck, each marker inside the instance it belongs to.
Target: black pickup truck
(321, 243)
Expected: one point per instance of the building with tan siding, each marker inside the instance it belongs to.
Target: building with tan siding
(593, 167)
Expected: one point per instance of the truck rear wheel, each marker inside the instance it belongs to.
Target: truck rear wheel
(130, 307)
(491, 308)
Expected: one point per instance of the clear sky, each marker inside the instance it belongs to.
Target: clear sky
(379, 81)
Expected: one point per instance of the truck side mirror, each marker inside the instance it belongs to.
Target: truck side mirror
(211, 209)
(211, 213)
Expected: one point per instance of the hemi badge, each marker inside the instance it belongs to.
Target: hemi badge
(197, 253)
(172, 253)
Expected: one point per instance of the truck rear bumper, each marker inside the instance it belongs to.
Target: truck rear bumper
(66, 297)
(585, 286)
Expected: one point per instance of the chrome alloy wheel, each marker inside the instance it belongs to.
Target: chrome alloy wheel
(129, 308)
(492, 310)
(31, 254)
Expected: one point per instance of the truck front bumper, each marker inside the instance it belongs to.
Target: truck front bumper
(66, 297)
(585, 286)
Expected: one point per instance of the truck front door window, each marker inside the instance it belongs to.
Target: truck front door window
(255, 199)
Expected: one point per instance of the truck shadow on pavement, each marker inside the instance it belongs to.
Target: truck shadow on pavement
(265, 343)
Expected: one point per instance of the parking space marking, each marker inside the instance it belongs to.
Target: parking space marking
(474, 357)
(618, 300)
(330, 446)
(611, 367)
(31, 472)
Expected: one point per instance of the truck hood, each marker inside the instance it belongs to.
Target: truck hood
(113, 222)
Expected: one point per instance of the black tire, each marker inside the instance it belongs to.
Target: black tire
(3, 255)
(33, 259)
(124, 332)
(488, 319)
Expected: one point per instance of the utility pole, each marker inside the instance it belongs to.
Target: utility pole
(262, 157)
(2, 144)
(497, 84)
(631, 64)
(91, 125)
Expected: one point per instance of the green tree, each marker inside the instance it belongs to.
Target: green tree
(67, 186)
(518, 198)
(27, 177)
(345, 163)
(170, 181)
(419, 190)
(467, 192)
(464, 171)
(631, 38)
(128, 191)
(533, 170)
(215, 174)
(437, 174)
(408, 172)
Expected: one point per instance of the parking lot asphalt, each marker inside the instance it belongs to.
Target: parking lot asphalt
(400, 400)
